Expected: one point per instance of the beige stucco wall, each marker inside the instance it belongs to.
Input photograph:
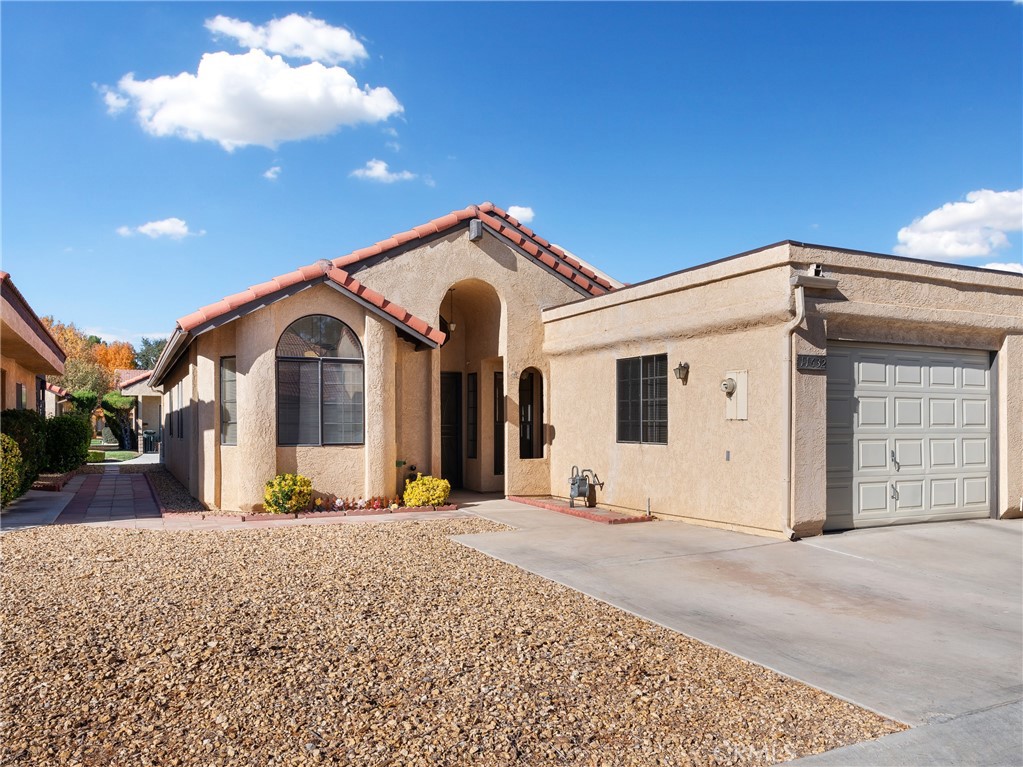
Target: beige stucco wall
(732, 315)
(504, 333)
(177, 449)
(498, 298)
(15, 374)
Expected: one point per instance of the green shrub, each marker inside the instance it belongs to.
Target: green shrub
(11, 472)
(28, 429)
(288, 494)
(97, 456)
(67, 442)
(85, 401)
(426, 491)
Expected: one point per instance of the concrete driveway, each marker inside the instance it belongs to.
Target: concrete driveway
(921, 623)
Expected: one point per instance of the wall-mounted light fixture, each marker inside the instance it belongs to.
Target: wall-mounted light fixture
(451, 310)
(682, 372)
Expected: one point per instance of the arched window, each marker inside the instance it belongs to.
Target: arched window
(320, 386)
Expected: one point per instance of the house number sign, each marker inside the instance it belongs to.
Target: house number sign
(811, 362)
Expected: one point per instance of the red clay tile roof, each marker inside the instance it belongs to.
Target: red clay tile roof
(498, 220)
(323, 270)
(60, 391)
(502, 223)
(129, 380)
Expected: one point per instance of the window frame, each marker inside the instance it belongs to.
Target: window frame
(342, 362)
(223, 400)
(638, 376)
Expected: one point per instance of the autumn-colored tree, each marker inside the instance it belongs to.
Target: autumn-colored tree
(82, 370)
(118, 355)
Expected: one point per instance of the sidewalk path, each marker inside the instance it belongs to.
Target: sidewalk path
(109, 497)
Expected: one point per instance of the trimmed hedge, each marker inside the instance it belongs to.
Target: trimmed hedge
(67, 442)
(28, 429)
(11, 473)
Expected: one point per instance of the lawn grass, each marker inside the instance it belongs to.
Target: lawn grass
(98, 456)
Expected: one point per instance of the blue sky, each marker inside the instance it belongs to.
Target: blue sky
(644, 138)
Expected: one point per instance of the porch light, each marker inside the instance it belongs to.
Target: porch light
(682, 372)
(451, 310)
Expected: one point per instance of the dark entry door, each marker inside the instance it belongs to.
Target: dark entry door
(451, 428)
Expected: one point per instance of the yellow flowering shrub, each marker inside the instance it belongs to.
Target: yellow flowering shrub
(287, 494)
(426, 491)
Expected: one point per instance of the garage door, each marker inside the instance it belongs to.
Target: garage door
(909, 435)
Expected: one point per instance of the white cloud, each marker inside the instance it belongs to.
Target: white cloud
(1018, 268)
(248, 99)
(394, 146)
(272, 173)
(523, 213)
(294, 36)
(965, 229)
(376, 170)
(174, 228)
(115, 102)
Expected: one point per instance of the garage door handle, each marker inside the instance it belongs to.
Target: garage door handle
(895, 493)
(895, 463)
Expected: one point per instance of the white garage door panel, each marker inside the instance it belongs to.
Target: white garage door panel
(909, 435)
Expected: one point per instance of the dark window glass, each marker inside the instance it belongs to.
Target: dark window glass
(642, 399)
(320, 388)
(228, 401)
(471, 415)
(498, 424)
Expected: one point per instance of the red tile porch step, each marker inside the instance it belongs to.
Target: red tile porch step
(604, 516)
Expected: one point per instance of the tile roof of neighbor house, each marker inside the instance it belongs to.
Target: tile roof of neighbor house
(8, 287)
(130, 377)
(60, 391)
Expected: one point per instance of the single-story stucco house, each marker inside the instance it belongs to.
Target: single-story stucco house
(783, 391)
(28, 352)
(146, 413)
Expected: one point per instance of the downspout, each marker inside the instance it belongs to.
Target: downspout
(786, 417)
(799, 282)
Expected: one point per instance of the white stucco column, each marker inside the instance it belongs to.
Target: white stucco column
(381, 434)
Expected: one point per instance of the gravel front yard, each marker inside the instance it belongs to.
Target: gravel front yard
(364, 645)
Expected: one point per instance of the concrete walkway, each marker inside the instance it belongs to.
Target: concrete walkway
(921, 623)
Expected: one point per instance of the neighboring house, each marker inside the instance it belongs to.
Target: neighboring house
(28, 353)
(146, 414)
(782, 391)
(57, 399)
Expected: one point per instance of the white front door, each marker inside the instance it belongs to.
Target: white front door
(909, 435)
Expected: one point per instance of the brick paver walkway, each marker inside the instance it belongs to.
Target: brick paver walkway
(110, 497)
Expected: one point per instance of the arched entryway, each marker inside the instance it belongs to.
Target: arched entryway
(472, 412)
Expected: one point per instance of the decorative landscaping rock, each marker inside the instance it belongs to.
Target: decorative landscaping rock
(362, 645)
